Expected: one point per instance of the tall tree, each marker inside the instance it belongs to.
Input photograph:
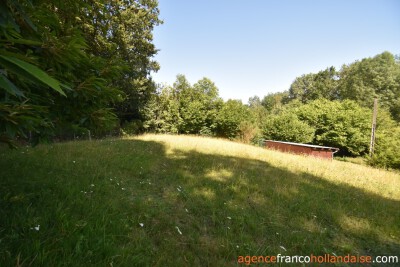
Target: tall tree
(344, 124)
(120, 31)
(98, 51)
(275, 101)
(229, 118)
(199, 107)
(184, 108)
(379, 77)
(314, 86)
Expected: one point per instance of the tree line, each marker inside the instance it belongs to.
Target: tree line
(329, 108)
(336, 106)
(72, 68)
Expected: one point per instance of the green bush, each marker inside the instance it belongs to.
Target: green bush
(387, 149)
(229, 118)
(345, 124)
(288, 127)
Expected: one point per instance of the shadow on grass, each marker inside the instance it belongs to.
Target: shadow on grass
(206, 210)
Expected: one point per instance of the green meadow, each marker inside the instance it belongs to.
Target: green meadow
(164, 200)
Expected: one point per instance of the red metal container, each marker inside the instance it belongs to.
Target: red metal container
(297, 148)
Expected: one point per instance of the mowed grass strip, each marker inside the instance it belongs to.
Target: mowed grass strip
(161, 200)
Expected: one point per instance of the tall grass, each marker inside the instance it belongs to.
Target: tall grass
(366, 178)
(159, 200)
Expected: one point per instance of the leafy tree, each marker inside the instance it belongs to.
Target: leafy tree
(360, 81)
(345, 124)
(191, 109)
(184, 108)
(386, 152)
(91, 94)
(254, 101)
(250, 129)
(152, 113)
(275, 101)
(93, 54)
(314, 86)
(212, 103)
(162, 112)
(229, 118)
(387, 141)
(120, 32)
(379, 77)
(198, 107)
(287, 127)
(20, 74)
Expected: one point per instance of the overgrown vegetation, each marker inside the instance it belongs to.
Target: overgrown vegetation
(187, 201)
(330, 108)
(83, 69)
(71, 69)
(95, 55)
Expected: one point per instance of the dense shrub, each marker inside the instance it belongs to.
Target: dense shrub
(345, 125)
(288, 127)
(387, 150)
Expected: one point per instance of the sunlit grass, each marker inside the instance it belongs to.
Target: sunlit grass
(161, 200)
(374, 180)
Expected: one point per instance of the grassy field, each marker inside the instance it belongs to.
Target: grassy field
(159, 200)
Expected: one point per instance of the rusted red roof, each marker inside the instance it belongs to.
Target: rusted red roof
(333, 149)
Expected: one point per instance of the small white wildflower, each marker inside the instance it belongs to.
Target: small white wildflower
(149, 183)
(123, 188)
(110, 179)
(282, 247)
(237, 246)
(141, 224)
(36, 227)
(92, 185)
(179, 231)
(186, 210)
(73, 161)
(229, 218)
(117, 183)
(178, 189)
(85, 192)
(277, 233)
(229, 228)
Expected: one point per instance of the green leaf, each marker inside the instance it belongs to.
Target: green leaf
(9, 86)
(30, 71)
(22, 41)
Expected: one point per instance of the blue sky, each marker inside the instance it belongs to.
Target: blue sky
(256, 47)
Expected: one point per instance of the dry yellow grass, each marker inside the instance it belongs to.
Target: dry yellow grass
(378, 181)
